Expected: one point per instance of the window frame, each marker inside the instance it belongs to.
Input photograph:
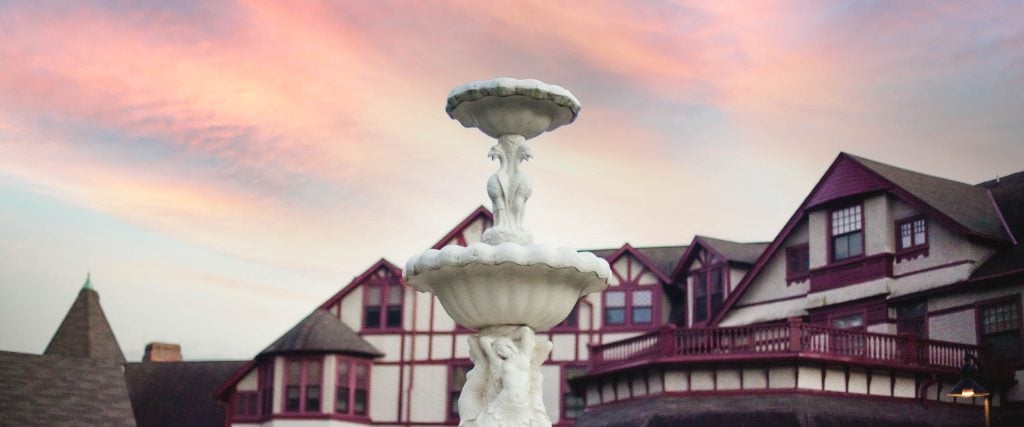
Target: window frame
(254, 414)
(915, 249)
(629, 283)
(705, 273)
(1014, 300)
(452, 398)
(800, 249)
(385, 284)
(832, 237)
(353, 387)
(303, 386)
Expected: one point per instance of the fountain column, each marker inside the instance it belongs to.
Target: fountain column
(507, 287)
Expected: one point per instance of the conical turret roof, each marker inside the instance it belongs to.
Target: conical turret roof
(85, 332)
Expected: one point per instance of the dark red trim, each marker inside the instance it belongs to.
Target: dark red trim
(803, 251)
(228, 385)
(480, 212)
(979, 306)
(382, 263)
(628, 285)
(851, 271)
(802, 211)
(302, 412)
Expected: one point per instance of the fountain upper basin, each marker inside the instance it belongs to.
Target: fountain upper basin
(507, 106)
(509, 284)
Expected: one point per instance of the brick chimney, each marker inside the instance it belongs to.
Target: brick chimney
(162, 352)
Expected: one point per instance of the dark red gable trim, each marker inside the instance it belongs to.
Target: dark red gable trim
(801, 213)
(627, 248)
(222, 392)
(476, 214)
(362, 278)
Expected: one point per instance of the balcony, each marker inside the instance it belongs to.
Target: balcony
(791, 340)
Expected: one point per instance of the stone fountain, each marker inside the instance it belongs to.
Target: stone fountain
(507, 287)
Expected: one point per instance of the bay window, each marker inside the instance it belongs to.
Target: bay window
(352, 390)
(302, 385)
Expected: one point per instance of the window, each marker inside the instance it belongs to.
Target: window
(352, 394)
(911, 238)
(266, 387)
(302, 385)
(847, 233)
(798, 263)
(572, 404)
(572, 320)
(246, 405)
(456, 379)
(912, 319)
(1000, 328)
(634, 298)
(700, 297)
(846, 344)
(382, 307)
(708, 291)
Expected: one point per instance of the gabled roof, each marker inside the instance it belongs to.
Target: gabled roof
(57, 390)
(178, 393)
(321, 332)
(85, 332)
(743, 253)
(1008, 193)
(661, 259)
(478, 213)
(961, 207)
(967, 205)
(382, 263)
(732, 252)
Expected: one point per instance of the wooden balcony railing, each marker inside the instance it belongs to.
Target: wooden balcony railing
(793, 338)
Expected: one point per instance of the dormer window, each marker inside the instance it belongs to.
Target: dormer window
(847, 231)
(382, 307)
(708, 292)
(633, 299)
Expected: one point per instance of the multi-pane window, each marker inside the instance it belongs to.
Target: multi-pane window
(1000, 328)
(573, 404)
(246, 405)
(847, 233)
(634, 296)
(457, 379)
(302, 385)
(912, 319)
(708, 292)
(912, 233)
(614, 308)
(382, 307)
(798, 262)
(352, 391)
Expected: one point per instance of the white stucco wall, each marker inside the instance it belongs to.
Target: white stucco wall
(956, 327)
(429, 394)
(249, 382)
(352, 309)
(384, 393)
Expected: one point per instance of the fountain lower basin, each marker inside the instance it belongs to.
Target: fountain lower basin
(509, 284)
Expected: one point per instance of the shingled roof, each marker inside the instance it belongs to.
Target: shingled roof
(968, 205)
(664, 258)
(321, 332)
(85, 332)
(178, 393)
(65, 391)
(744, 253)
(1008, 192)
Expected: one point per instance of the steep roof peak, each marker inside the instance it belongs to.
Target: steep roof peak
(85, 332)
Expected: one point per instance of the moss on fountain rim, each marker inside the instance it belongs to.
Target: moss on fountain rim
(506, 86)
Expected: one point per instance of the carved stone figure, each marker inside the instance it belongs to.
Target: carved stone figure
(509, 189)
(504, 387)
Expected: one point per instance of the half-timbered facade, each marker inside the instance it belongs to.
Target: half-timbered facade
(876, 288)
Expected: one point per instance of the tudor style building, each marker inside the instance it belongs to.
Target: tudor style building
(859, 312)
(877, 286)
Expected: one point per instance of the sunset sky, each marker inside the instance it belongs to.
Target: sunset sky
(221, 168)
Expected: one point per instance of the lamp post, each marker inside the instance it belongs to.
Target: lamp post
(968, 386)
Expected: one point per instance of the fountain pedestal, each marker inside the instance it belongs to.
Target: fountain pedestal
(507, 287)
